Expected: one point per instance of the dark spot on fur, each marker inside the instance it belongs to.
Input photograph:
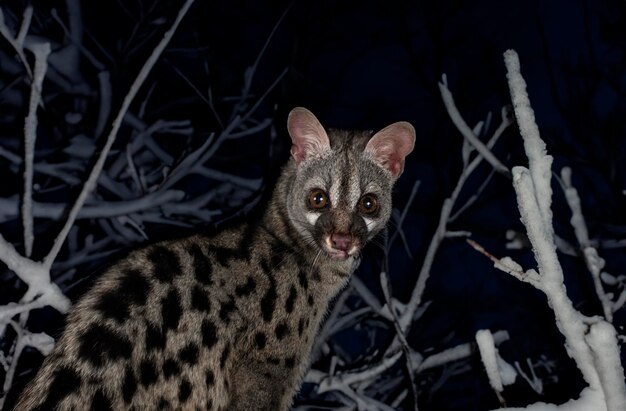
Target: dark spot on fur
(304, 282)
(224, 356)
(129, 386)
(189, 354)
(202, 267)
(200, 299)
(225, 255)
(209, 378)
(163, 404)
(246, 289)
(300, 326)
(290, 362)
(316, 275)
(273, 360)
(268, 302)
(310, 301)
(170, 368)
(165, 263)
(226, 308)
(155, 337)
(291, 299)
(101, 402)
(147, 373)
(267, 374)
(171, 310)
(134, 287)
(209, 333)
(65, 382)
(100, 342)
(281, 330)
(260, 339)
(184, 390)
(111, 306)
(222, 283)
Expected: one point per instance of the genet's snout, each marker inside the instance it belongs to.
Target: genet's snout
(341, 242)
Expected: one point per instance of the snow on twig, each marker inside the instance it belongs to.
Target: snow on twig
(41, 52)
(17, 42)
(539, 162)
(488, 355)
(467, 132)
(446, 210)
(594, 262)
(117, 122)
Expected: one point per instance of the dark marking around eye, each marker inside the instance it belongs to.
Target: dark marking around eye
(165, 263)
(170, 368)
(281, 330)
(291, 299)
(189, 354)
(100, 342)
(209, 333)
(129, 386)
(65, 381)
(184, 390)
(101, 402)
(247, 288)
(171, 310)
(202, 267)
(155, 337)
(147, 373)
(200, 299)
(260, 339)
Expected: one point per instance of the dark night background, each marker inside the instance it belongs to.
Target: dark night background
(361, 65)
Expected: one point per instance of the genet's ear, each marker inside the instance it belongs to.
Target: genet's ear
(391, 145)
(307, 135)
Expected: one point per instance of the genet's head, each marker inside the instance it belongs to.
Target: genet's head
(341, 194)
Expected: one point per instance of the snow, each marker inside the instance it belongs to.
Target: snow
(488, 354)
(603, 342)
(539, 162)
(590, 400)
(592, 343)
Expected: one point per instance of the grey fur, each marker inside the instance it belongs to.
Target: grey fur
(220, 322)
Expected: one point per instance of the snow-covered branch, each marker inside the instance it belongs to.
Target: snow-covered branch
(588, 341)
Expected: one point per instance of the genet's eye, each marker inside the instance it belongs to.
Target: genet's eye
(368, 204)
(318, 199)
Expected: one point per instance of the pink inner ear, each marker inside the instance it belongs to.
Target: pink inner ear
(307, 135)
(391, 145)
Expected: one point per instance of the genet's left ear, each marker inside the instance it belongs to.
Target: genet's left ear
(391, 145)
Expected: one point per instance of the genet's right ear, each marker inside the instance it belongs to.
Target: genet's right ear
(307, 135)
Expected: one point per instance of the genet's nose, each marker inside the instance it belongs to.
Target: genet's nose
(342, 242)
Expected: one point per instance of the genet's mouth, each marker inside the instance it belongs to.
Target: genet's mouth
(337, 254)
(339, 249)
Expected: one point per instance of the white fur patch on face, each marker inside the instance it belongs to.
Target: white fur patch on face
(369, 223)
(312, 217)
(334, 190)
